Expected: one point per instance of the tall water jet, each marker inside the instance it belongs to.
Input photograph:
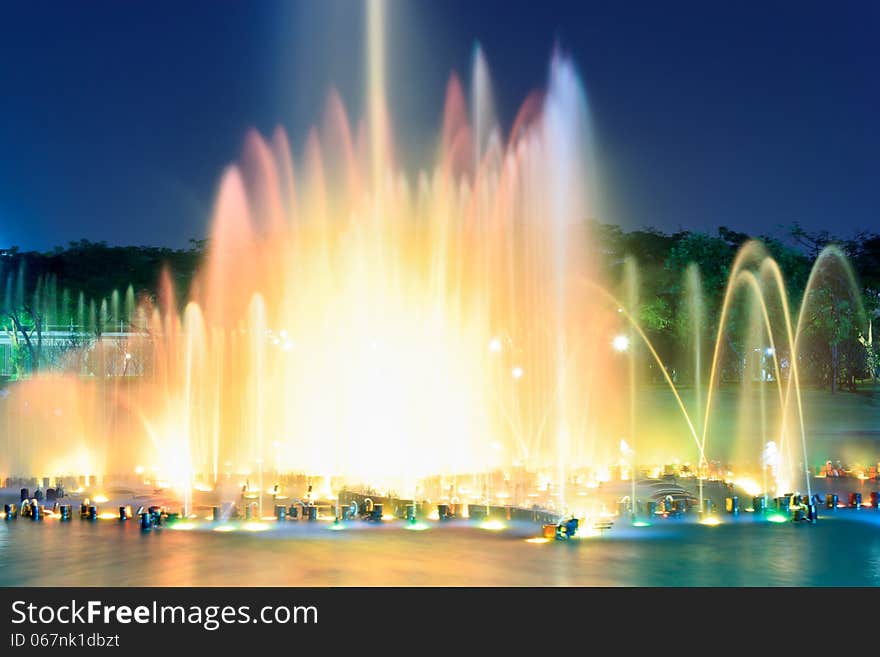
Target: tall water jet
(695, 310)
(631, 291)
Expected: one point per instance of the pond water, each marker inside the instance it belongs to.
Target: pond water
(842, 549)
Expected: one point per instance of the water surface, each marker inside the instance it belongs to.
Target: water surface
(842, 550)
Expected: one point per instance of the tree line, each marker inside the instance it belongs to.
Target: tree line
(93, 284)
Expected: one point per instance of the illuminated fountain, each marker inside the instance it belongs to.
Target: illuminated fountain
(356, 321)
(377, 328)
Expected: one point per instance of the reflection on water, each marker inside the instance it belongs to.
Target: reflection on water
(840, 551)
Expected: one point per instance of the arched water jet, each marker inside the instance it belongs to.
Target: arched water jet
(828, 252)
(751, 249)
(751, 281)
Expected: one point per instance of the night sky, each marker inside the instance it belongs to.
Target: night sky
(116, 118)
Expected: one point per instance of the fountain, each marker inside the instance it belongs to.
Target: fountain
(401, 332)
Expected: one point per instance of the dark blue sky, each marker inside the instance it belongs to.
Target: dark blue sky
(116, 118)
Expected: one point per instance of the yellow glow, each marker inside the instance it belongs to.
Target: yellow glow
(100, 498)
(387, 516)
(588, 532)
(434, 515)
(183, 526)
(710, 521)
(255, 527)
(224, 528)
(492, 525)
(107, 516)
(750, 486)
(538, 539)
(203, 488)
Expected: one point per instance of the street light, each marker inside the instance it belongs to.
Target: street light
(620, 343)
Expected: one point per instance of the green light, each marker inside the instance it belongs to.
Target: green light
(641, 523)
(185, 526)
(416, 527)
(336, 526)
(777, 517)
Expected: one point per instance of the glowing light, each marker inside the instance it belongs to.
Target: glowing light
(517, 372)
(710, 522)
(183, 526)
(492, 525)
(100, 499)
(255, 527)
(107, 516)
(417, 527)
(750, 486)
(224, 528)
(641, 523)
(434, 515)
(777, 518)
(139, 469)
(387, 516)
(336, 526)
(495, 345)
(202, 488)
(538, 540)
(620, 343)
